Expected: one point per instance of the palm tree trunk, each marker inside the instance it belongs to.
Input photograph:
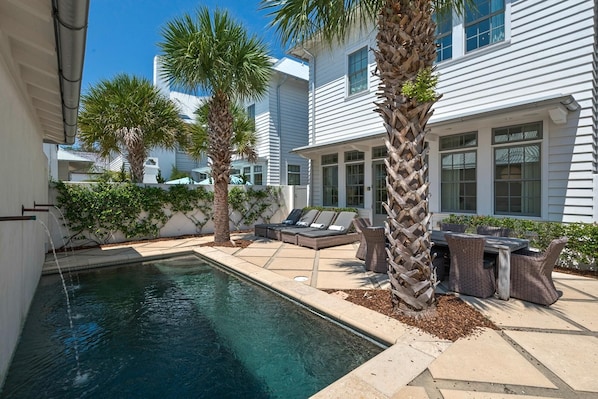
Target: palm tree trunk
(406, 45)
(136, 152)
(220, 125)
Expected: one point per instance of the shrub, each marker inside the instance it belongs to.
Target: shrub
(581, 250)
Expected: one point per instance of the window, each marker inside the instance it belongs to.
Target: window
(294, 175)
(358, 71)
(251, 112)
(484, 23)
(257, 175)
(352, 156)
(330, 180)
(517, 170)
(355, 173)
(458, 187)
(444, 36)
(379, 152)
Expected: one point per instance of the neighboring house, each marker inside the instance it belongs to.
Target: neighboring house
(73, 165)
(281, 120)
(41, 62)
(514, 134)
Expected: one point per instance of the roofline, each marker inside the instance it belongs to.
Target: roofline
(565, 100)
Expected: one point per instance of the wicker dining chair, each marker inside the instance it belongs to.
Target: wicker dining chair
(531, 274)
(360, 225)
(494, 231)
(454, 227)
(375, 256)
(469, 274)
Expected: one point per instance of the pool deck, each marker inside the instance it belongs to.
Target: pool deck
(540, 352)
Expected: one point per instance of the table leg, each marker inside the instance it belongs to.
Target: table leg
(503, 288)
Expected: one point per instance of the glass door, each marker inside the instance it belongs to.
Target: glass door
(379, 191)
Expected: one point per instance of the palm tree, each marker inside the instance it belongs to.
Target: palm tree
(128, 115)
(214, 54)
(405, 55)
(243, 141)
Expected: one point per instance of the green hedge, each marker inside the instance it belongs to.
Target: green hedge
(582, 248)
(98, 211)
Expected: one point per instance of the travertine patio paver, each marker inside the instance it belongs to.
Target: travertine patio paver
(572, 357)
(487, 357)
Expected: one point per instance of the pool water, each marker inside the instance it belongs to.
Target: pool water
(177, 328)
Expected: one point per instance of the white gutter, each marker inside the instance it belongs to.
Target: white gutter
(70, 30)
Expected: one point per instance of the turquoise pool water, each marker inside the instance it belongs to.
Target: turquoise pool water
(177, 328)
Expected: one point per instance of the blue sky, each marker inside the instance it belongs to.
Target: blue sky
(122, 34)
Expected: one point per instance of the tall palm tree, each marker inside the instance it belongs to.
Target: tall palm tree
(405, 55)
(215, 55)
(243, 141)
(128, 115)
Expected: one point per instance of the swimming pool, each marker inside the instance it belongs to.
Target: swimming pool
(177, 328)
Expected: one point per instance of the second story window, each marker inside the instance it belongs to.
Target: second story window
(251, 112)
(484, 23)
(358, 71)
(444, 36)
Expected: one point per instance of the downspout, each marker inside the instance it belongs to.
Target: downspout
(279, 127)
(312, 140)
(70, 31)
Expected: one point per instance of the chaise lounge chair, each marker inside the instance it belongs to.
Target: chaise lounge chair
(336, 234)
(321, 222)
(261, 230)
(274, 232)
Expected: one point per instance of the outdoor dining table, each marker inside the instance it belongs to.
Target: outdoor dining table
(503, 246)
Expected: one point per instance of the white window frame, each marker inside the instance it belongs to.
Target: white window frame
(349, 53)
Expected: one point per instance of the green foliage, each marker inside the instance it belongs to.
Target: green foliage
(322, 208)
(194, 204)
(247, 206)
(423, 88)
(98, 212)
(128, 115)
(159, 177)
(582, 247)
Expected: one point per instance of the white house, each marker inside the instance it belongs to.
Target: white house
(41, 63)
(281, 119)
(515, 133)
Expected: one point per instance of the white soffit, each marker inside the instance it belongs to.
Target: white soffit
(28, 43)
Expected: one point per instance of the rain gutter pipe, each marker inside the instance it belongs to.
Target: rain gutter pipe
(70, 31)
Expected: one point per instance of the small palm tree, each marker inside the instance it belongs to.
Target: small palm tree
(405, 54)
(214, 54)
(243, 141)
(128, 115)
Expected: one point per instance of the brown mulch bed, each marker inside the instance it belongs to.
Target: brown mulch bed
(229, 244)
(452, 319)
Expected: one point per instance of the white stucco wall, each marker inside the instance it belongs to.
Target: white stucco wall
(24, 180)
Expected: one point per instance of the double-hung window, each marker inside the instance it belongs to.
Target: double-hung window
(517, 169)
(294, 175)
(355, 174)
(444, 36)
(357, 74)
(258, 177)
(458, 187)
(330, 180)
(484, 23)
